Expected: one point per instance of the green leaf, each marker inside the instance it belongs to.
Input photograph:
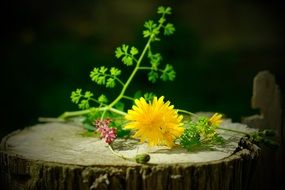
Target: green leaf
(76, 95)
(168, 73)
(115, 72)
(161, 20)
(152, 28)
(110, 83)
(149, 96)
(160, 10)
(127, 60)
(84, 104)
(125, 48)
(103, 70)
(134, 51)
(190, 137)
(119, 52)
(102, 99)
(163, 10)
(94, 74)
(101, 80)
(167, 11)
(155, 60)
(146, 33)
(155, 31)
(88, 95)
(169, 29)
(150, 25)
(152, 76)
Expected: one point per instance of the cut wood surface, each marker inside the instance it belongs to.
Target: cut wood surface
(59, 156)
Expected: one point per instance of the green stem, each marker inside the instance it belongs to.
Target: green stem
(117, 111)
(187, 112)
(74, 113)
(116, 78)
(119, 155)
(149, 68)
(121, 82)
(125, 85)
(84, 112)
(232, 130)
(132, 74)
(147, 46)
(103, 114)
(129, 98)
(94, 100)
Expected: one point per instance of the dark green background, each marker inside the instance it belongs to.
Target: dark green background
(49, 48)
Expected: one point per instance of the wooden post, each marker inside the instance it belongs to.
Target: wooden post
(267, 97)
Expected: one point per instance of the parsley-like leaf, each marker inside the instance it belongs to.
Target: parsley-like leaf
(164, 10)
(102, 99)
(76, 95)
(88, 95)
(119, 52)
(84, 104)
(94, 74)
(110, 83)
(127, 60)
(125, 48)
(155, 60)
(152, 76)
(126, 55)
(168, 73)
(134, 51)
(150, 25)
(115, 72)
(169, 29)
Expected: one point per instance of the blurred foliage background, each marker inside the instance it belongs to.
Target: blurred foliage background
(49, 48)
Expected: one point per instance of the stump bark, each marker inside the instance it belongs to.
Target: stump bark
(58, 156)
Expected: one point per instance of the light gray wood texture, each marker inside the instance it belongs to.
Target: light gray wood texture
(58, 156)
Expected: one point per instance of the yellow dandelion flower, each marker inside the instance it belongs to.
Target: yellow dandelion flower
(156, 123)
(216, 119)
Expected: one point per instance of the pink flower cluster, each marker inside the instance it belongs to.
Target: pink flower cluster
(109, 134)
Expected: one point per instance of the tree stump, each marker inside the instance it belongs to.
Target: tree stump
(57, 156)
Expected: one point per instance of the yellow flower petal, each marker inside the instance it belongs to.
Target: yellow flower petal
(216, 119)
(156, 123)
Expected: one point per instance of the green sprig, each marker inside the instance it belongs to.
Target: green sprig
(199, 134)
(130, 56)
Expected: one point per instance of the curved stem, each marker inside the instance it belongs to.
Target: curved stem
(121, 82)
(232, 130)
(187, 112)
(129, 98)
(117, 111)
(119, 155)
(94, 100)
